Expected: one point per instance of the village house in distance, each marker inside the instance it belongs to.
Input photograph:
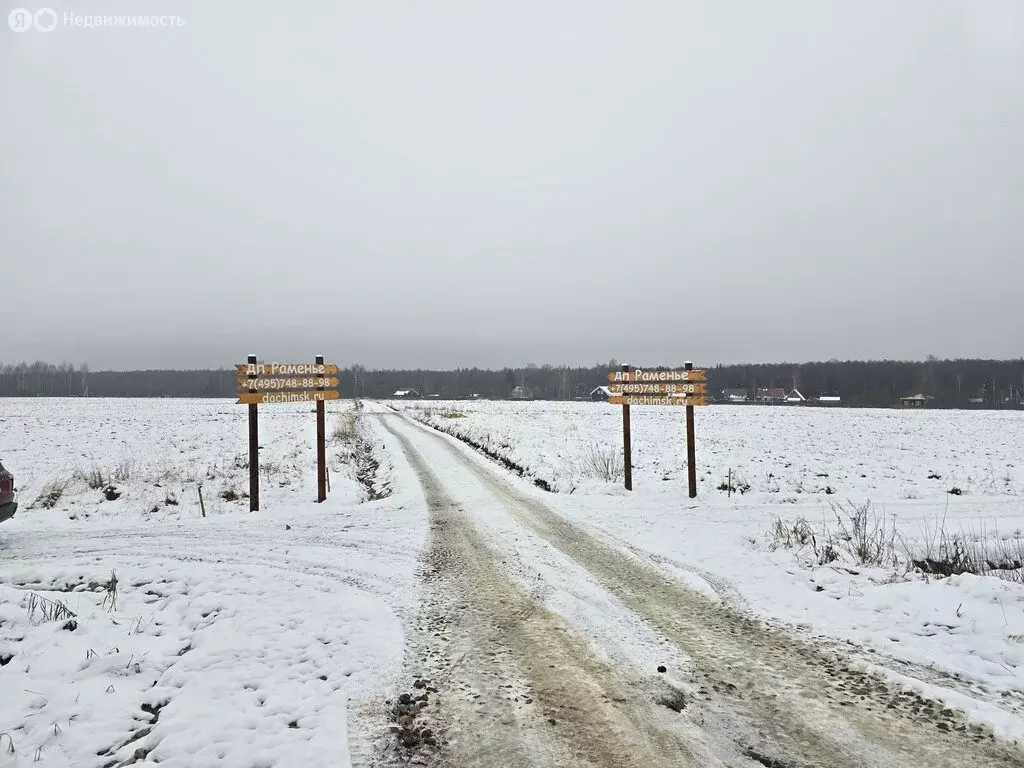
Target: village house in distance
(774, 396)
(962, 384)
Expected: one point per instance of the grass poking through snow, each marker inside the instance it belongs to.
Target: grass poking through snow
(863, 535)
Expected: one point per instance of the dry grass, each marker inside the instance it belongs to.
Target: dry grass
(863, 535)
(734, 484)
(867, 533)
(345, 428)
(230, 494)
(799, 535)
(46, 609)
(95, 478)
(126, 468)
(604, 462)
(51, 493)
(944, 552)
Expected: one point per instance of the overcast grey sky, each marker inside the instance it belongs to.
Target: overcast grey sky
(480, 183)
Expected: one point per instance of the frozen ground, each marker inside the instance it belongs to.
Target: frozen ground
(815, 465)
(274, 638)
(135, 627)
(784, 454)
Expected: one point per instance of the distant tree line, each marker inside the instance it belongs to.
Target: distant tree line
(951, 383)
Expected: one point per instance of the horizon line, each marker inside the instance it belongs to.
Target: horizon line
(610, 363)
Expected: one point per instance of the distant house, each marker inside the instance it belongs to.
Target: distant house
(406, 394)
(770, 395)
(830, 399)
(915, 401)
(734, 395)
(795, 397)
(474, 396)
(600, 393)
(521, 393)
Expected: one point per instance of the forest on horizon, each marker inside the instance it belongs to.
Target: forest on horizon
(948, 383)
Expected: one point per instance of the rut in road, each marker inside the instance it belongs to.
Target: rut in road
(798, 703)
(515, 686)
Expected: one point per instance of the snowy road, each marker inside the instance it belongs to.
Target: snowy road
(541, 643)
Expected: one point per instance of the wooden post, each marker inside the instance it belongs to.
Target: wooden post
(728, 484)
(321, 446)
(254, 448)
(627, 446)
(691, 451)
(202, 506)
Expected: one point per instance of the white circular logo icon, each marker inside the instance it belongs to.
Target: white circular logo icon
(20, 20)
(45, 20)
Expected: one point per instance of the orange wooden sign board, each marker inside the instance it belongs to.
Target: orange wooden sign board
(677, 388)
(269, 398)
(286, 369)
(271, 385)
(652, 377)
(656, 400)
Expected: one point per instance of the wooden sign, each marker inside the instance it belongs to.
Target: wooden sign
(302, 396)
(680, 388)
(286, 369)
(656, 400)
(657, 376)
(270, 385)
(287, 383)
(686, 388)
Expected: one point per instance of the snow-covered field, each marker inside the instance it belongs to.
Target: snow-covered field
(134, 626)
(814, 465)
(131, 625)
(785, 454)
(155, 454)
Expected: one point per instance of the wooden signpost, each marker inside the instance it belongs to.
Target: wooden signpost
(268, 383)
(685, 388)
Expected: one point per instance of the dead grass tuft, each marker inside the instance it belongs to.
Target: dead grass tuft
(345, 428)
(52, 493)
(47, 609)
(604, 462)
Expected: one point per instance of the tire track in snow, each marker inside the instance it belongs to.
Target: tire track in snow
(236, 559)
(517, 686)
(797, 703)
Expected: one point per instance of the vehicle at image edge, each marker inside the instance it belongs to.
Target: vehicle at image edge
(8, 506)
